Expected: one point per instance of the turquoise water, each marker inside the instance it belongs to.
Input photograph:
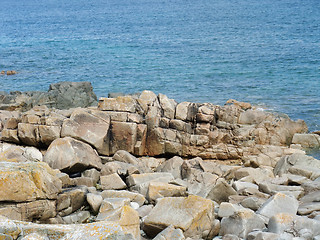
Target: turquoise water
(266, 52)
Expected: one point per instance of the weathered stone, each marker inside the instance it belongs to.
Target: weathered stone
(240, 185)
(70, 155)
(94, 201)
(83, 181)
(144, 210)
(28, 181)
(307, 165)
(90, 231)
(119, 104)
(87, 127)
(110, 204)
(123, 136)
(34, 236)
(28, 211)
(77, 197)
(134, 197)
(137, 179)
(9, 227)
(279, 203)
(252, 202)
(127, 218)
(92, 173)
(155, 144)
(241, 223)
(306, 140)
(159, 190)
(252, 117)
(242, 105)
(309, 207)
(193, 215)
(10, 135)
(170, 233)
(173, 166)
(112, 182)
(168, 106)
(284, 222)
(269, 188)
(186, 111)
(148, 99)
(140, 147)
(77, 217)
(228, 209)
(221, 191)
(28, 134)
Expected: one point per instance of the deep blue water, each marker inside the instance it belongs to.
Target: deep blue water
(266, 52)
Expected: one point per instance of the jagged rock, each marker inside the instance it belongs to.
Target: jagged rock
(62, 95)
(126, 217)
(221, 191)
(90, 231)
(9, 227)
(112, 182)
(77, 217)
(119, 104)
(228, 209)
(70, 155)
(159, 190)
(193, 215)
(134, 197)
(88, 127)
(170, 233)
(35, 236)
(306, 140)
(95, 201)
(92, 173)
(298, 164)
(123, 136)
(241, 223)
(28, 211)
(137, 179)
(83, 181)
(173, 166)
(168, 106)
(285, 222)
(279, 203)
(28, 181)
(252, 202)
(148, 99)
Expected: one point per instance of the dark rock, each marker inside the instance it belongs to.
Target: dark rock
(62, 95)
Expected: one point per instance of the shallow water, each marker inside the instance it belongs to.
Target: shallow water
(264, 52)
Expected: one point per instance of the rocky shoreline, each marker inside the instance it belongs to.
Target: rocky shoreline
(146, 167)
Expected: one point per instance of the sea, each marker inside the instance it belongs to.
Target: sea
(266, 52)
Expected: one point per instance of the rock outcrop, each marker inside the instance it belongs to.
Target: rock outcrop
(147, 167)
(62, 95)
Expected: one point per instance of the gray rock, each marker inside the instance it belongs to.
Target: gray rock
(279, 203)
(78, 217)
(173, 166)
(309, 207)
(112, 182)
(70, 155)
(252, 202)
(195, 221)
(241, 223)
(62, 95)
(88, 126)
(134, 197)
(95, 201)
(301, 226)
(170, 233)
(221, 191)
(306, 140)
(228, 209)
